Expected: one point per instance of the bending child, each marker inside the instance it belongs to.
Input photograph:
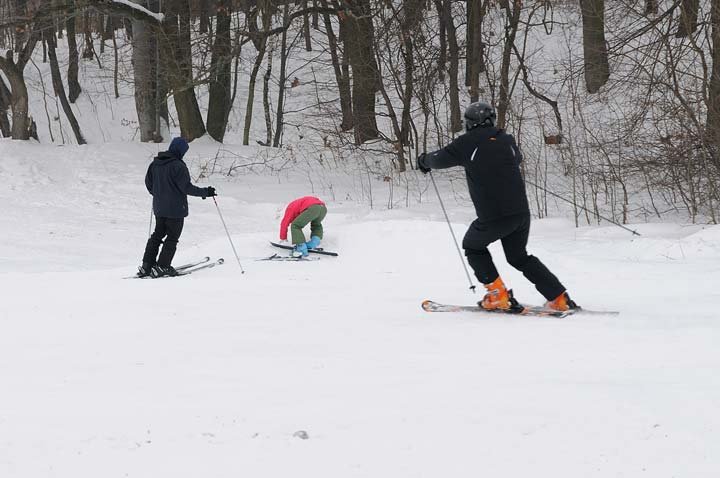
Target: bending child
(298, 214)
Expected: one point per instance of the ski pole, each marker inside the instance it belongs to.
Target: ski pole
(452, 233)
(150, 225)
(228, 235)
(582, 207)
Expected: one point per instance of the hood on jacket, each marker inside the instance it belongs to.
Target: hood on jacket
(164, 158)
(178, 147)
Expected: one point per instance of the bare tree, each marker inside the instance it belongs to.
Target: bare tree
(177, 59)
(5, 100)
(340, 67)
(14, 72)
(688, 18)
(597, 67)
(360, 45)
(219, 103)
(60, 89)
(259, 38)
(475, 47)
(74, 88)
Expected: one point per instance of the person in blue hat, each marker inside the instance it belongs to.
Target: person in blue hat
(168, 180)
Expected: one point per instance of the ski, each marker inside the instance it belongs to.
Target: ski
(193, 264)
(319, 250)
(279, 258)
(196, 268)
(526, 310)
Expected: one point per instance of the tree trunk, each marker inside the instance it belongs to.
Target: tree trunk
(89, 51)
(713, 107)
(60, 89)
(259, 39)
(476, 54)
(343, 80)
(470, 6)
(205, 15)
(688, 18)
(306, 28)
(454, 69)
(597, 68)
(512, 14)
(279, 117)
(21, 122)
(74, 88)
(220, 77)
(176, 54)
(361, 48)
(266, 100)
(116, 70)
(442, 58)
(5, 100)
(412, 14)
(651, 7)
(21, 29)
(144, 60)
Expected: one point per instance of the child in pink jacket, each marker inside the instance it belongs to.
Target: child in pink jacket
(298, 214)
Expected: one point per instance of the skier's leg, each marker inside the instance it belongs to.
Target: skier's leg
(514, 245)
(174, 229)
(296, 227)
(475, 242)
(316, 227)
(153, 243)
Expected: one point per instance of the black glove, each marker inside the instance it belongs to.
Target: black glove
(211, 192)
(421, 164)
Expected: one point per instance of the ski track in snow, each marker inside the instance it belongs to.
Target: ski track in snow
(212, 374)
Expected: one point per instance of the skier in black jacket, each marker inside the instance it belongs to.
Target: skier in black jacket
(168, 180)
(491, 159)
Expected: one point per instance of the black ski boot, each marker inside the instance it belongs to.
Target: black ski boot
(162, 271)
(144, 270)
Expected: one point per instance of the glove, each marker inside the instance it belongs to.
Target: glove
(421, 164)
(313, 243)
(211, 192)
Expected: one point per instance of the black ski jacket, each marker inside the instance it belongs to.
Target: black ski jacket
(168, 180)
(491, 159)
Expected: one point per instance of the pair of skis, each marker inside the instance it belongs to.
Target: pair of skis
(521, 309)
(189, 268)
(279, 257)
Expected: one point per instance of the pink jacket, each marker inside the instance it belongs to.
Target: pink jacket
(294, 209)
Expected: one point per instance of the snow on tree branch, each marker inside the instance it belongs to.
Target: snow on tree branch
(158, 16)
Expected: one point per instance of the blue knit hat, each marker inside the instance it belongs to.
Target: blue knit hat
(178, 147)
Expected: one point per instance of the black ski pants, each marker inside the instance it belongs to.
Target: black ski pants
(513, 231)
(168, 228)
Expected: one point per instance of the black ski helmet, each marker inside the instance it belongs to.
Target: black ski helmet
(479, 114)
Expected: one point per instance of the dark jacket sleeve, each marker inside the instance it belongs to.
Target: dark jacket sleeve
(148, 179)
(454, 154)
(182, 179)
(516, 150)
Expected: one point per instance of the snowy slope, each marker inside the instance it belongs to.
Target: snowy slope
(212, 374)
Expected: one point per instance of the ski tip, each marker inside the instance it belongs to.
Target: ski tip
(427, 305)
(221, 261)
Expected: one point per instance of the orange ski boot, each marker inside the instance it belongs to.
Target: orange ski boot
(497, 297)
(563, 303)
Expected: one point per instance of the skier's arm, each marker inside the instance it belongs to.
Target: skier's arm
(451, 155)
(284, 224)
(148, 179)
(516, 150)
(182, 179)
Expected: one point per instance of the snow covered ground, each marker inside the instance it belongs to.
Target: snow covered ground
(212, 374)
